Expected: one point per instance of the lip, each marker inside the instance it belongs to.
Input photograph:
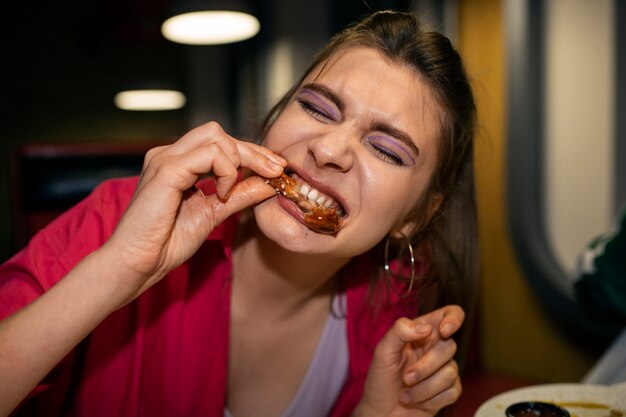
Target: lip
(322, 186)
(291, 208)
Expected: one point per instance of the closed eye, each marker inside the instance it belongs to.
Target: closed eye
(314, 110)
(320, 102)
(387, 155)
(391, 149)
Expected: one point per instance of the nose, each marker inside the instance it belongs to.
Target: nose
(334, 151)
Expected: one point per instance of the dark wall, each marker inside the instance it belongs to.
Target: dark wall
(63, 62)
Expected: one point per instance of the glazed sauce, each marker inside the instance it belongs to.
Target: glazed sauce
(583, 405)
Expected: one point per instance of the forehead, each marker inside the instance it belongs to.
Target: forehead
(372, 83)
(365, 68)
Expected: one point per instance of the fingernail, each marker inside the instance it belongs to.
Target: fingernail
(410, 378)
(274, 166)
(446, 329)
(279, 160)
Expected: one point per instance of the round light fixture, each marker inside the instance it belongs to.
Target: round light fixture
(150, 100)
(210, 27)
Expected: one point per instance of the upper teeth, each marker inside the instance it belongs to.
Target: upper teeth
(315, 196)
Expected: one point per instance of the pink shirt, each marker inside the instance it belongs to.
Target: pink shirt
(165, 354)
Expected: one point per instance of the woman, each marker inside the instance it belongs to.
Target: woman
(137, 312)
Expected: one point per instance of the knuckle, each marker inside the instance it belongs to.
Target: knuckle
(450, 373)
(152, 153)
(454, 369)
(402, 322)
(453, 345)
(213, 128)
(447, 372)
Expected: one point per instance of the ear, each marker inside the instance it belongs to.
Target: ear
(420, 218)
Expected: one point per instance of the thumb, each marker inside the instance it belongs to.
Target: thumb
(384, 378)
(246, 193)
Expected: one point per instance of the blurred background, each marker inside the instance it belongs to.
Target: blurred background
(548, 77)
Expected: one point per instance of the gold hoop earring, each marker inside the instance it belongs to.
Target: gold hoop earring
(389, 272)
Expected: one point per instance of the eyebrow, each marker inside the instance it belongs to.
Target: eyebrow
(326, 92)
(379, 126)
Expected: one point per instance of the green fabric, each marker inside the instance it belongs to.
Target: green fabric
(602, 289)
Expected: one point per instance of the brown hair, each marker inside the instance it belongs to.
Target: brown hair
(449, 237)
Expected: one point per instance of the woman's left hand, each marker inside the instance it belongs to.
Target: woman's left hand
(413, 372)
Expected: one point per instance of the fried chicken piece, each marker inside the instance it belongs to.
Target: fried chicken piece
(317, 218)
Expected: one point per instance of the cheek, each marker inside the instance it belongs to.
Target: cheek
(392, 199)
(282, 132)
(386, 190)
(380, 213)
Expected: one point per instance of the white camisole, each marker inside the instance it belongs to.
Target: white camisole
(327, 372)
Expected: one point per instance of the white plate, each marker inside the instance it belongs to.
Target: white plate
(581, 400)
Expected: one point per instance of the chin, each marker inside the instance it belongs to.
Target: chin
(287, 232)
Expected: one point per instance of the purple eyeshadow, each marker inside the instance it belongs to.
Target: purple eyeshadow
(394, 147)
(320, 102)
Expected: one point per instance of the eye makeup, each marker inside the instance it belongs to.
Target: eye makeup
(393, 144)
(322, 98)
(392, 149)
(401, 140)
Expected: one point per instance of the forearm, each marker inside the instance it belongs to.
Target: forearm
(37, 338)
(165, 223)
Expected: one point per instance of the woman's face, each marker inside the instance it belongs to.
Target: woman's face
(363, 133)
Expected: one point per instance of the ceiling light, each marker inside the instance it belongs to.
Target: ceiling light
(150, 100)
(210, 22)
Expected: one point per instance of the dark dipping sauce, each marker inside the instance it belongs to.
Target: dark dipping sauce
(536, 409)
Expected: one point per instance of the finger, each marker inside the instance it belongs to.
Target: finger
(244, 194)
(444, 379)
(453, 317)
(209, 139)
(428, 364)
(260, 159)
(446, 319)
(402, 332)
(253, 158)
(268, 153)
(224, 170)
(441, 400)
(181, 170)
(204, 134)
(212, 133)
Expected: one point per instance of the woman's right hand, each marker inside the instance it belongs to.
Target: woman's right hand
(165, 223)
(169, 218)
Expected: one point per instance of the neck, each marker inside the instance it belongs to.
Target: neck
(265, 275)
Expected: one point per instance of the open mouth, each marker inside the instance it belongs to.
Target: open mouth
(322, 213)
